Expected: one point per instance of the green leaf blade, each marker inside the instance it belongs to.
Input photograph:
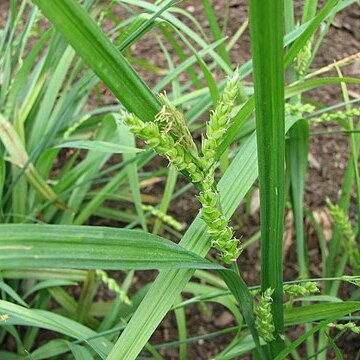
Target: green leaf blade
(266, 29)
(90, 247)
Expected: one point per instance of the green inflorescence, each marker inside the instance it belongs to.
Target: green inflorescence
(262, 307)
(221, 233)
(219, 122)
(302, 59)
(350, 244)
(169, 136)
(302, 289)
(340, 116)
(298, 109)
(163, 217)
(167, 145)
(347, 326)
(264, 319)
(172, 121)
(4, 317)
(113, 286)
(355, 280)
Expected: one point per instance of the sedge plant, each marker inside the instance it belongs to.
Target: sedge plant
(43, 94)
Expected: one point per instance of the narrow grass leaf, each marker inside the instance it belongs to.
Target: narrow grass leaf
(79, 352)
(42, 246)
(97, 50)
(90, 247)
(289, 348)
(48, 284)
(100, 146)
(50, 349)
(10, 356)
(12, 293)
(298, 147)
(266, 28)
(215, 29)
(2, 180)
(43, 118)
(193, 35)
(317, 312)
(144, 24)
(19, 315)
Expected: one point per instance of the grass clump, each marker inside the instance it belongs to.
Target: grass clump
(67, 161)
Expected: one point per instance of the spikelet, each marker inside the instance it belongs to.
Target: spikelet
(298, 109)
(219, 121)
(302, 289)
(4, 317)
(339, 116)
(165, 218)
(350, 244)
(302, 59)
(347, 326)
(113, 286)
(164, 144)
(222, 236)
(264, 319)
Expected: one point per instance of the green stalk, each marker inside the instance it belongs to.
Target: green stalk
(289, 19)
(297, 154)
(181, 324)
(353, 149)
(266, 28)
(298, 145)
(86, 297)
(19, 196)
(165, 201)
